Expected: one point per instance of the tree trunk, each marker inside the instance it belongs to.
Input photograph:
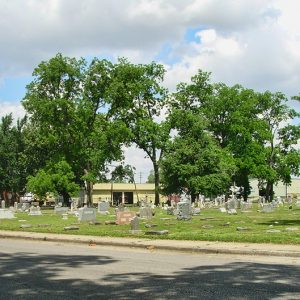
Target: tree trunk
(89, 186)
(66, 198)
(89, 193)
(156, 182)
(269, 191)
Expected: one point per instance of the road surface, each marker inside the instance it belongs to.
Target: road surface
(48, 270)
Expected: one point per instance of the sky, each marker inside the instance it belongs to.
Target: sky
(255, 43)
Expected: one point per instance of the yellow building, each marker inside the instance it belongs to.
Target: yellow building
(128, 193)
(280, 189)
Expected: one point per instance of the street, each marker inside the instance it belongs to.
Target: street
(48, 270)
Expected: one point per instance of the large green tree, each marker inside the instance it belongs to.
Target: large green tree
(12, 164)
(138, 99)
(193, 159)
(278, 137)
(64, 102)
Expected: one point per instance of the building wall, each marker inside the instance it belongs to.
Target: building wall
(280, 189)
(104, 191)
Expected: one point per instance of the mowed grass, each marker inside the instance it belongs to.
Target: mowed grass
(210, 225)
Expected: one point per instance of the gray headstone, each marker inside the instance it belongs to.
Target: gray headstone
(103, 207)
(60, 210)
(267, 208)
(3, 204)
(86, 214)
(25, 206)
(146, 212)
(135, 223)
(184, 210)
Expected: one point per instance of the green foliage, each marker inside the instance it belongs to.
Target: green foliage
(123, 174)
(151, 178)
(64, 101)
(137, 98)
(12, 163)
(194, 160)
(57, 179)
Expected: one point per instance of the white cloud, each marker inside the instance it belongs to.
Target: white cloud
(16, 109)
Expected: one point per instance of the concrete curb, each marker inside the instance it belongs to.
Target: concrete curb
(169, 245)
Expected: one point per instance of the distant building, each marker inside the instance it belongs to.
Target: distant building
(280, 189)
(127, 193)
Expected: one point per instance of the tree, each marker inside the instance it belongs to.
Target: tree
(279, 157)
(138, 99)
(194, 160)
(64, 102)
(123, 174)
(57, 178)
(12, 167)
(151, 178)
(231, 114)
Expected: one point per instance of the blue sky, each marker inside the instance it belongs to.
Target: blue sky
(252, 42)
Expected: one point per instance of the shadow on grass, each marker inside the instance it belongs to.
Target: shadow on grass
(281, 222)
(31, 276)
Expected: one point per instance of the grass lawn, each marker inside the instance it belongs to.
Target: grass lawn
(210, 225)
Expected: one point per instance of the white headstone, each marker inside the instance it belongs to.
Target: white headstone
(35, 211)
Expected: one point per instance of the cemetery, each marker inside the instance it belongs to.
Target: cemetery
(210, 220)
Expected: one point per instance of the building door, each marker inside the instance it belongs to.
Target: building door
(117, 198)
(128, 197)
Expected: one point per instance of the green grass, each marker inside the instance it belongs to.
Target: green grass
(257, 224)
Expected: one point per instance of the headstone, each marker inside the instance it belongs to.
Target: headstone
(25, 226)
(3, 204)
(267, 208)
(120, 208)
(86, 214)
(273, 231)
(232, 204)
(71, 228)
(232, 211)
(184, 197)
(292, 229)
(110, 222)
(222, 210)
(150, 225)
(170, 210)
(246, 206)
(196, 211)
(65, 216)
(135, 223)
(35, 211)
(6, 214)
(25, 206)
(60, 210)
(146, 212)
(242, 229)
(157, 232)
(184, 211)
(103, 207)
(124, 217)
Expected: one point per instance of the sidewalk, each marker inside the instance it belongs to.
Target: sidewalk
(171, 245)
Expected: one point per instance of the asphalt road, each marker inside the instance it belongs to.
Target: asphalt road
(47, 270)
